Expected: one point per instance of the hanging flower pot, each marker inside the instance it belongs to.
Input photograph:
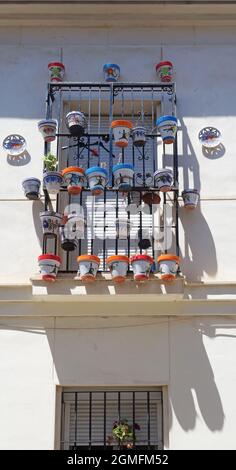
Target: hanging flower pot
(111, 72)
(121, 132)
(133, 203)
(31, 188)
(52, 181)
(88, 266)
(76, 122)
(74, 179)
(144, 239)
(57, 70)
(68, 240)
(118, 266)
(190, 198)
(139, 136)
(48, 128)
(164, 71)
(123, 176)
(141, 266)
(48, 265)
(163, 180)
(168, 266)
(151, 198)
(97, 179)
(167, 126)
(50, 222)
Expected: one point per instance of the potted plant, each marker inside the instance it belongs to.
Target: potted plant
(123, 176)
(51, 221)
(48, 265)
(52, 179)
(97, 179)
(48, 128)
(163, 179)
(121, 132)
(190, 198)
(88, 266)
(74, 179)
(167, 126)
(141, 265)
(76, 122)
(111, 72)
(168, 266)
(118, 265)
(31, 188)
(123, 434)
(164, 71)
(57, 70)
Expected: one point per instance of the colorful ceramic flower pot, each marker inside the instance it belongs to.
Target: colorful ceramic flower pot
(88, 266)
(141, 265)
(121, 132)
(48, 128)
(48, 265)
(164, 71)
(31, 188)
(111, 72)
(139, 136)
(190, 198)
(133, 203)
(118, 266)
(168, 266)
(50, 222)
(167, 126)
(151, 198)
(97, 179)
(163, 180)
(68, 239)
(76, 122)
(74, 178)
(123, 174)
(52, 181)
(57, 70)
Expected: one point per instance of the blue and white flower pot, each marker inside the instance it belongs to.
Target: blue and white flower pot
(138, 134)
(190, 198)
(52, 181)
(111, 72)
(167, 126)
(97, 179)
(50, 222)
(123, 176)
(163, 180)
(31, 188)
(48, 128)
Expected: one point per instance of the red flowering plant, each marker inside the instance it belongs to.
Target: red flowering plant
(123, 433)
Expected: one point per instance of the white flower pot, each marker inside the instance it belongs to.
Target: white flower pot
(97, 179)
(123, 176)
(76, 122)
(49, 265)
(88, 266)
(68, 238)
(164, 71)
(167, 126)
(190, 198)
(141, 265)
(57, 71)
(52, 181)
(121, 132)
(50, 222)
(168, 266)
(118, 266)
(74, 179)
(111, 72)
(48, 128)
(31, 188)
(139, 136)
(163, 180)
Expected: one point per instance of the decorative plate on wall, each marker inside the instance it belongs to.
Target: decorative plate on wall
(209, 137)
(14, 144)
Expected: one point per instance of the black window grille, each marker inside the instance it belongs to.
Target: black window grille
(88, 418)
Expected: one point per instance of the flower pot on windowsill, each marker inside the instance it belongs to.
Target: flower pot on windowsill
(97, 179)
(50, 222)
(49, 265)
(123, 176)
(57, 70)
(88, 266)
(163, 180)
(138, 134)
(168, 266)
(76, 122)
(118, 265)
(111, 72)
(141, 266)
(74, 179)
(31, 188)
(164, 71)
(121, 131)
(48, 128)
(167, 126)
(52, 181)
(190, 198)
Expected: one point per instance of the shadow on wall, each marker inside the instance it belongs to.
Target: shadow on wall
(196, 381)
(37, 207)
